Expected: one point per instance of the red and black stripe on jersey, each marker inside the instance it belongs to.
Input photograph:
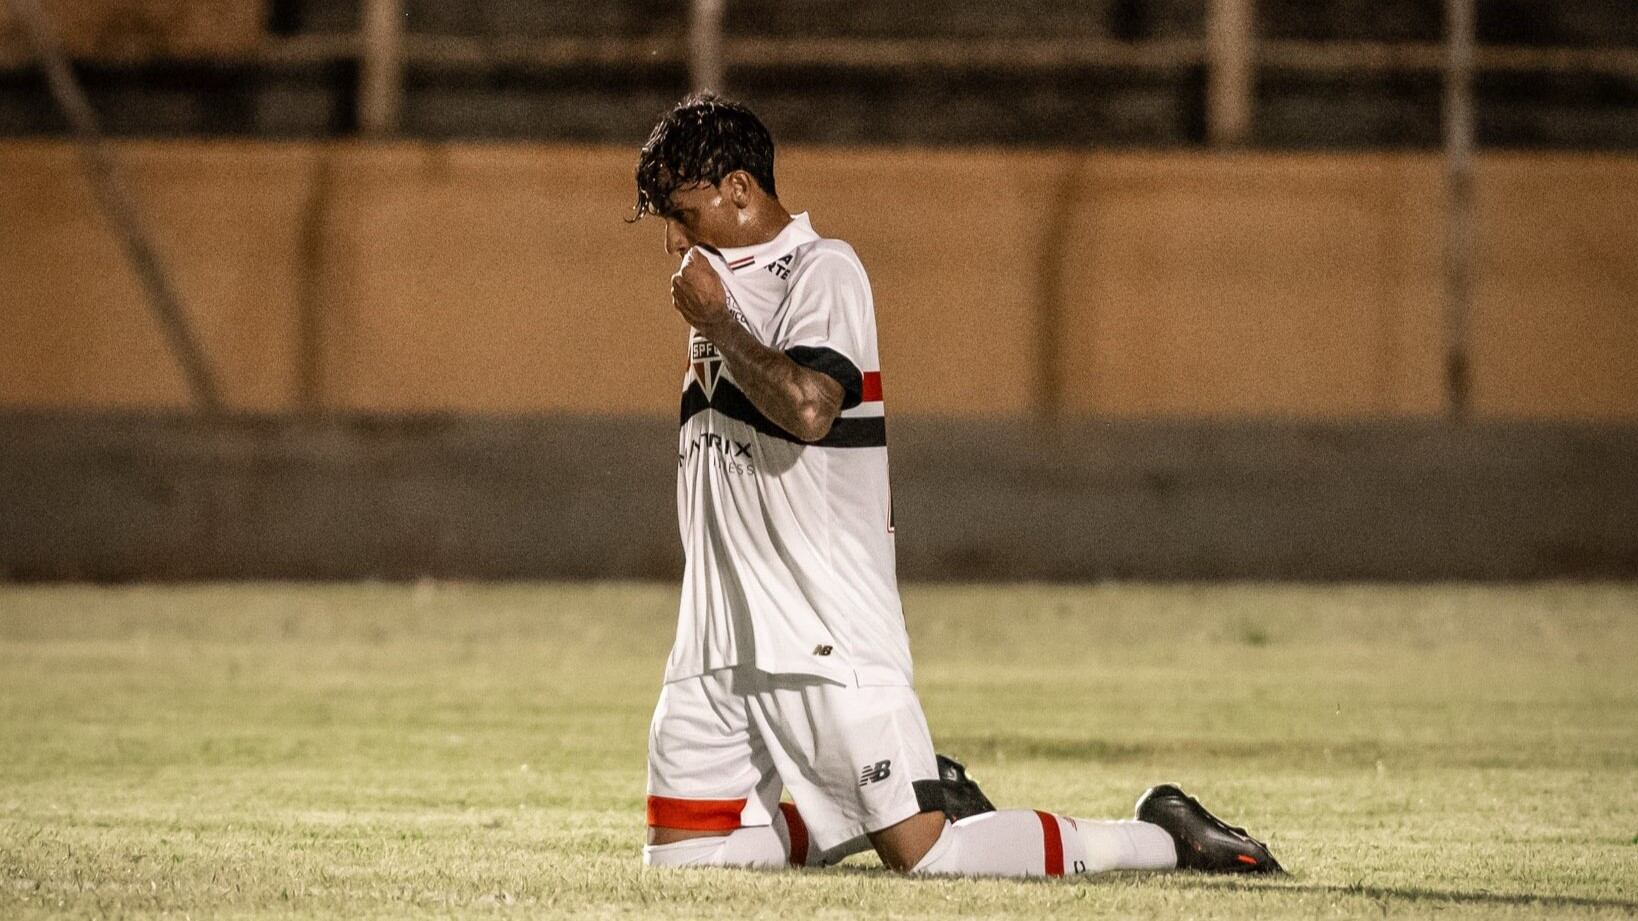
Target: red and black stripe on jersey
(857, 388)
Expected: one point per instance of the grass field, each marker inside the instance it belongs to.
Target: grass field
(388, 751)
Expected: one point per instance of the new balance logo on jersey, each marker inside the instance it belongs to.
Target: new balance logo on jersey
(872, 773)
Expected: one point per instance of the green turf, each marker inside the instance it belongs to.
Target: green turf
(389, 751)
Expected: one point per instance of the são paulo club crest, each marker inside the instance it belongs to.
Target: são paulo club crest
(702, 352)
(707, 364)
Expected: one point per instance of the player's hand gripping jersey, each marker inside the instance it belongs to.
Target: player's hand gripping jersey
(789, 545)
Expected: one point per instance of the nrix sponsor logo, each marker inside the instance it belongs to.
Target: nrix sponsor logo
(729, 447)
(730, 455)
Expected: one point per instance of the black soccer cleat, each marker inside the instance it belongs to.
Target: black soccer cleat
(962, 791)
(1204, 842)
(954, 793)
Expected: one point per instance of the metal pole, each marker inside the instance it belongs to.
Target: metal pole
(311, 294)
(119, 206)
(381, 73)
(1230, 35)
(1459, 219)
(1052, 297)
(705, 46)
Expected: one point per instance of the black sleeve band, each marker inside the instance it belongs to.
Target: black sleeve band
(834, 365)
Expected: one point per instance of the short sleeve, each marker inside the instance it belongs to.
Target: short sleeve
(828, 323)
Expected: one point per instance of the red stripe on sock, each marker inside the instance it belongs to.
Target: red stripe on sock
(799, 834)
(694, 814)
(871, 387)
(1052, 841)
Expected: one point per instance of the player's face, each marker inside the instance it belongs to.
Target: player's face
(700, 214)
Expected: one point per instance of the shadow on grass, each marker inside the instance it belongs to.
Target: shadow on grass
(1410, 894)
(1380, 894)
(994, 747)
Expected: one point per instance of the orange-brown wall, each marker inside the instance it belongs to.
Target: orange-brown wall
(504, 278)
(136, 29)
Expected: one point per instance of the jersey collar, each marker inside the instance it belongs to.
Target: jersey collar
(794, 234)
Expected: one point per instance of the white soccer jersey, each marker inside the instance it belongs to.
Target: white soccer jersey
(789, 546)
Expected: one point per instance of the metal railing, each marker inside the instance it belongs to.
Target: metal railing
(1230, 53)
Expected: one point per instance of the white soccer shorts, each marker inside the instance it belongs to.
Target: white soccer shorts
(723, 745)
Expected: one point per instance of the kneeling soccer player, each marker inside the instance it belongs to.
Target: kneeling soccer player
(791, 668)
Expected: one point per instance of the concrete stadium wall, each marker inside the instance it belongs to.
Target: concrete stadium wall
(502, 279)
(168, 496)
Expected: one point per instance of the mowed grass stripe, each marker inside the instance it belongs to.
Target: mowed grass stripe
(440, 750)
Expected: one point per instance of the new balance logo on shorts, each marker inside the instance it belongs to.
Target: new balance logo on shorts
(881, 770)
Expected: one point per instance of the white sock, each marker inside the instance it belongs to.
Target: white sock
(1024, 842)
(1125, 845)
(755, 846)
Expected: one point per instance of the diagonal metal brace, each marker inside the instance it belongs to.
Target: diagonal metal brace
(118, 205)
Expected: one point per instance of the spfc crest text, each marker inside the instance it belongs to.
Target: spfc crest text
(707, 364)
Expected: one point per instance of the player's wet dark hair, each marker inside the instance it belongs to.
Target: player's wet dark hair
(702, 139)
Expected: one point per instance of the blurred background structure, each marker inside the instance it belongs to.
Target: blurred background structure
(1274, 74)
(1166, 288)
